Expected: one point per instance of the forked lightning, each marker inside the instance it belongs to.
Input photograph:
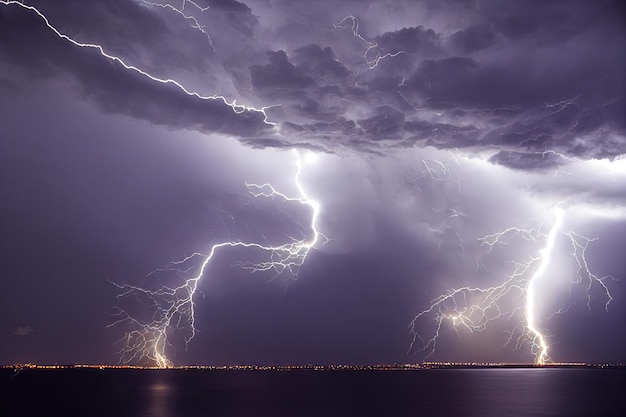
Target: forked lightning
(172, 309)
(514, 301)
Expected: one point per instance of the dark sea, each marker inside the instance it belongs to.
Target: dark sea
(418, 393)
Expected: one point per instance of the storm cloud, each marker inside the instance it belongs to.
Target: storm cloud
(432, 124)
(516, 80)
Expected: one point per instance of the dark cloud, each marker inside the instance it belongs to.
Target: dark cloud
(112, 87)
(130, 29)
(385, 123)
(527, 161)
(238, 15)
(321, 64)
(503, 73)
(231, 6)
(23, 331)
(279, 74)
(474, 38)
(415, 40)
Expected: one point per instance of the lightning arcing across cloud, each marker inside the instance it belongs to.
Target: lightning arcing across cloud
(172, 307)
(513, 301)
(237, 108)
(191, 18)
(371, 45)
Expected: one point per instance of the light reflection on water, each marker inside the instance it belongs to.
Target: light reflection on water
(160, 400)
(437, 393)
(462, 392)
(523, 392)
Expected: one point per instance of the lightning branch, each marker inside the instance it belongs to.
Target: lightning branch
(169, 311)
(514, 301)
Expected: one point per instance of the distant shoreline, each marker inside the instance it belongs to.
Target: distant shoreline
(392, 367)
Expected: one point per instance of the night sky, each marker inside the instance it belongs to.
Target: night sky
(421, 128)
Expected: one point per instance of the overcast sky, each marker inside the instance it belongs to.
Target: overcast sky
(130, 133)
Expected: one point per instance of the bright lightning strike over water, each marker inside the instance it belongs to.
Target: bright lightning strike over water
(172, 308)
(531, 292)
(514, 301)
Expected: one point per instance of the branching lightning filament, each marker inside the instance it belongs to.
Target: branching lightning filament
(372, 61)
(193, 21)
(168, 311)
(539, 341)
(514, 302)
(236, 108)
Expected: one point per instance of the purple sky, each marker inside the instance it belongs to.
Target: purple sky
(434, 123)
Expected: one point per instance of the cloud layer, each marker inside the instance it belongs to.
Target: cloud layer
(517, 80)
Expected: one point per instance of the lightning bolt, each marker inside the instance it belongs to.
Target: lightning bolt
(539, 340)
(372, 62)
(579, 252)
(237, 108)
(445, 175)
(193, 21)
(171, 309)
(514, 300)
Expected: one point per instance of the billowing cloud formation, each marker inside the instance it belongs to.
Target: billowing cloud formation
(108, 83)
(537, 84)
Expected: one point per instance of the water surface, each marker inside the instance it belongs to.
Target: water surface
(445, 392)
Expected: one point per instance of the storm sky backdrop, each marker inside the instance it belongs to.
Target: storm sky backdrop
(434, 123)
